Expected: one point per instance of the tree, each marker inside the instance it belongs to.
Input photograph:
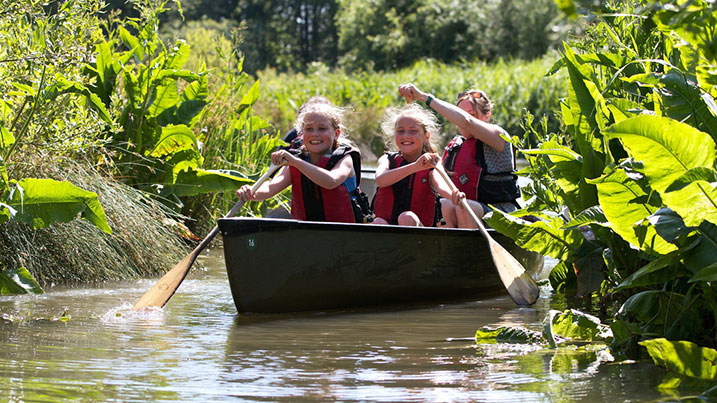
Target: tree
(389, 34)
(288, 34)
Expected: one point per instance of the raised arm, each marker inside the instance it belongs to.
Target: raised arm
(468, 125)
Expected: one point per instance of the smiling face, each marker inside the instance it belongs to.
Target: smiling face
(319, 133)
(410, 137)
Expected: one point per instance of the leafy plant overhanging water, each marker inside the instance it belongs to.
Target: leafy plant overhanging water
(113, 93)
(626, 192)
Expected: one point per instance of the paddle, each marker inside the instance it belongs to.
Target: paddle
(517, 281)
(163, 290)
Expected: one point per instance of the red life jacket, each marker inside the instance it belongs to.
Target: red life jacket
(460, 159)
(314, 203)
(465, 158)
(412, 193)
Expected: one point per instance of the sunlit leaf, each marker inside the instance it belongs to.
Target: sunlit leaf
(178, 56)
(18, 281)
(164, 97)
(562, 277)
(576, 326)
(131, 41)
(41, 202)
(6, 138)
(593, 215)
(567, 7)
(683, 357)
(192, 182)
(544, 237)
(669, 149)
(249, 98)
(703, 174)
(621, 200)
(174, 139)
(508, 335)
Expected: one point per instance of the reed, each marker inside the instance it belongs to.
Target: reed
(142, 242)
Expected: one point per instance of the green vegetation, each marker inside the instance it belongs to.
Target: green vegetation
(114, 96)
(377, 34)
(626, 191)
(514, 87)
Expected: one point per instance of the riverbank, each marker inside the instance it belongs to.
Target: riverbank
(142, 242)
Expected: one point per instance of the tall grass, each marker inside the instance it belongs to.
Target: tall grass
(515, 86)
(141, 244)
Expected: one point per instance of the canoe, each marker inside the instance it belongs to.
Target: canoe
(285, 265)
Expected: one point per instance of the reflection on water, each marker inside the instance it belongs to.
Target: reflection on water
(199, 349)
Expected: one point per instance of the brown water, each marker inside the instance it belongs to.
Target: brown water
(199, 349)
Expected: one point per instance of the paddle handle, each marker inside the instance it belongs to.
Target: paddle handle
(442, 171)
(269, 171)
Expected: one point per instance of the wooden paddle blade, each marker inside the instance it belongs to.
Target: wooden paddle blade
(521, 287)
(163, 290)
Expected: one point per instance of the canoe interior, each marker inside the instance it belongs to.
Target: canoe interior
(280, 265)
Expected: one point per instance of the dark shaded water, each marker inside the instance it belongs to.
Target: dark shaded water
(88, 345)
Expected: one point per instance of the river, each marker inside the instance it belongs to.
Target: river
(87, 344)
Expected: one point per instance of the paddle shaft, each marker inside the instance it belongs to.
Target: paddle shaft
(521, 287)
(442, 171)
(163, 290)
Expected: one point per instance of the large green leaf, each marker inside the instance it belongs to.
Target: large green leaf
(702, 252)
(192, 182)
(668, 150)
(708, 273)
(681, 98)
(562, 278)
(6, 138)
(667, 147)
(683, 357)
(589, 267)
(164, 97)
(625, 203)
(178, 56)
(592, 215)
(131, 42)
(658, 271)
(671, 314)
(249, 98)
(507, 335)
(41, 202)
(18, 281)
(187, 106)
(544, 237)
(173, 139)
(576, 326)
(669, 225)
(566, 171)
